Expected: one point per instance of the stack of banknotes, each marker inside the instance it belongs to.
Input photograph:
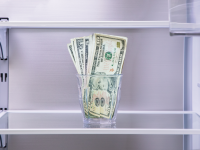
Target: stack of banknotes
(99, 57)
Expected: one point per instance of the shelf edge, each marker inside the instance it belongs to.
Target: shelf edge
(119, 111)
(85, 24)
(101, 131)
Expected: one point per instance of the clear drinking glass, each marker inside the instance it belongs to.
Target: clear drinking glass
(99, 97)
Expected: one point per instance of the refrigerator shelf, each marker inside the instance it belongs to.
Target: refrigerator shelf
(70, 122)
(84, 24)
(184, 17)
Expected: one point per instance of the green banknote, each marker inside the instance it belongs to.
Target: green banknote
(107, 60)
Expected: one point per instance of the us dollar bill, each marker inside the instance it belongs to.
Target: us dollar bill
(79, 45)
(90, 53)
(109, 53)
(75, 55)
(108, 58)
(71, 52)
(103, 95)
(87, 43)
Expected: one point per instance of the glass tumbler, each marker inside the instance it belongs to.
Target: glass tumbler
(99, 97)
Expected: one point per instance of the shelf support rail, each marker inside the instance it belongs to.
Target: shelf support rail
(3, 66)
(3, 125)
(3, 80)
(3, 143)
(3, 41)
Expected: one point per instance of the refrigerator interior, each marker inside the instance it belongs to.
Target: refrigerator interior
(42, 74)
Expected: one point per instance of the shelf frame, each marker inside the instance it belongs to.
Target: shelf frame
(85, 24)
(102, 131)
(154, 131)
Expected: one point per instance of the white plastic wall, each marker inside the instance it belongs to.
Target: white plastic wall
(196, 74)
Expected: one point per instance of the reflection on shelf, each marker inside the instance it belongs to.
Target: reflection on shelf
(99, 125)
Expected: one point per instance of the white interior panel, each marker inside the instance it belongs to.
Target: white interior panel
(88, 10)
(97, 142)
(196, 74)
(195, 63)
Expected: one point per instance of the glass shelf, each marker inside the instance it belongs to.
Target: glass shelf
(128, 122)
(184, 17)
(85, 24)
